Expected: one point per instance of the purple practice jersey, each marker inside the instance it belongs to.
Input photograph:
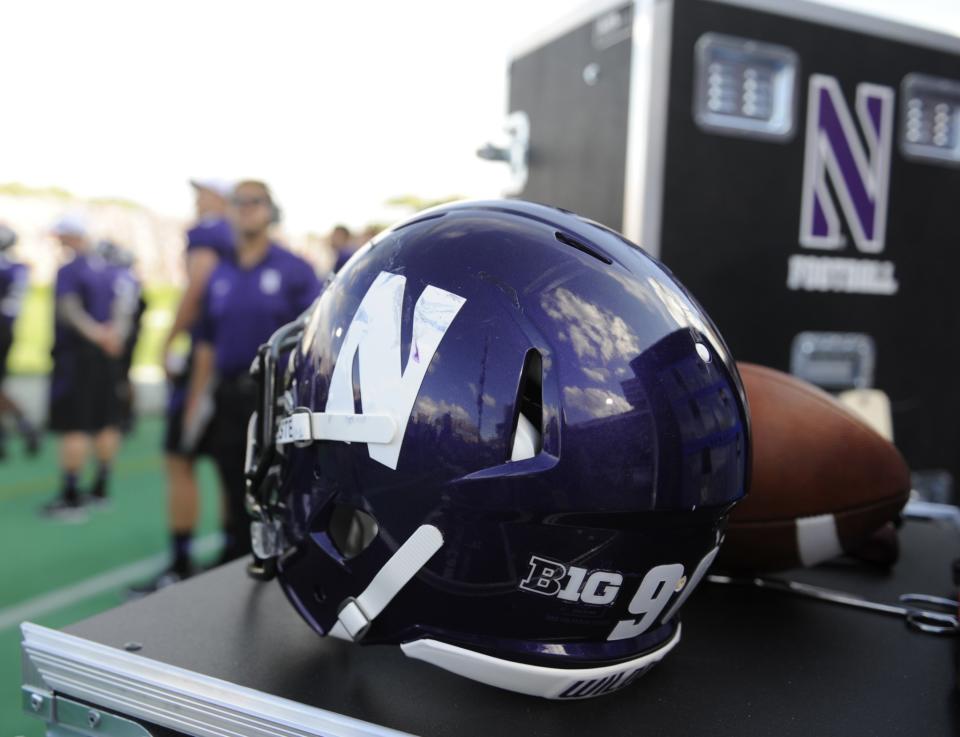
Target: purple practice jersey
(13, 287)
(89, 278)
(214, 233)
(242, 307)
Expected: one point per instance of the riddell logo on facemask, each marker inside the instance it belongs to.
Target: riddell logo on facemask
(571, 583)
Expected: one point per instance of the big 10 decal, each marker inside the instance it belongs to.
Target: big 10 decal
(661, 585)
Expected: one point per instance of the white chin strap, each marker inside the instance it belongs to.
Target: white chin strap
(357, 614)
(304, 427)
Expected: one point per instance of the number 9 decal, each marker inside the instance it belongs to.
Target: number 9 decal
(655, 592)
(652, 596)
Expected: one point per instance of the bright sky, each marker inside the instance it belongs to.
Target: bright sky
(339, 105)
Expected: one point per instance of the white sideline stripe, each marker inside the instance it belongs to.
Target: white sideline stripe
(123, 576)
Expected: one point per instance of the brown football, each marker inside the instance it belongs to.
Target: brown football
(822, 480)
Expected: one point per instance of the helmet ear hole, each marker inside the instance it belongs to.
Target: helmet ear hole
(351, 530)
(527, 439)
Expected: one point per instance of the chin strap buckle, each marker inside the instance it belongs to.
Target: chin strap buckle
(266, 539)
(262, 570)
(354, 620)
(356, 614)
(301, 427)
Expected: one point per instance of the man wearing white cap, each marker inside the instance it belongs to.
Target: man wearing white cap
(209, 241)
(83, 401)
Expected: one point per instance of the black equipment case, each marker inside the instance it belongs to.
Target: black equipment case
(222, 655)
(796, 165)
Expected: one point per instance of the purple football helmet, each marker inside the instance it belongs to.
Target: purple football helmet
(504, 438)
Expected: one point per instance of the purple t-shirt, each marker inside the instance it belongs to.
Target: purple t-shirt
(342, 258)
(242, 307)
(13, 287)
(214, 233)
(89, 278)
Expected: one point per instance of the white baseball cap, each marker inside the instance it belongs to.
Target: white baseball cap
(72, 223)
(222, 187)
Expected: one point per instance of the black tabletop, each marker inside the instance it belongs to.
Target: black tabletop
(750, 662)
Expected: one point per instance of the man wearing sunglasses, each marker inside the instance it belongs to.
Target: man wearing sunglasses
(244, 303)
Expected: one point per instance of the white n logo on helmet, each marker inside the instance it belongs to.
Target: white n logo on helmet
(385, 389)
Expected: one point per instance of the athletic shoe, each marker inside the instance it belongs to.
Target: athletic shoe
(167, 578)
(96, 501)
(64, 510)
(97, 496)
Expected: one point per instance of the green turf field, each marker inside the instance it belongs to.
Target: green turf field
(66, 572)
(34, 329)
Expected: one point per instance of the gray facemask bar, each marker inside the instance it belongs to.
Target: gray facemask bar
(261, 432)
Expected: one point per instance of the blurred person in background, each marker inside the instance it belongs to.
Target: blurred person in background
(128, 308)
(209, 242)
(370, 232)
(244, 303)
(341, 240)
(13, 287)
(87, 344)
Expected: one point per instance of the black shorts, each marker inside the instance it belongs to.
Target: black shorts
(235, 400)
(6, 342)
(125, 393)
(83, 391)
(173, 436)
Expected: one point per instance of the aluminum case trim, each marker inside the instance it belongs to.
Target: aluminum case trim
(173, 697)
(647, 122)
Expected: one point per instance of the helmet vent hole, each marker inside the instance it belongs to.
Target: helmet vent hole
(355, 378)
(580, 246)
(351, 530)
(527, 439)
(417, 221)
